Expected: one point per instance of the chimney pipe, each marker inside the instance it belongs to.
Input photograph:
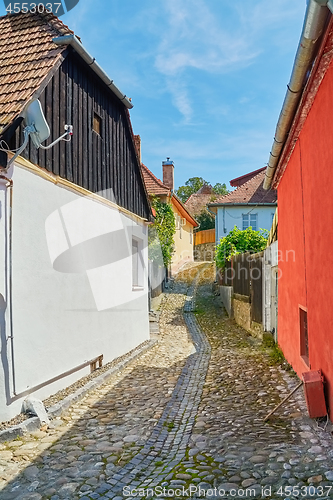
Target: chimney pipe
(168, 173)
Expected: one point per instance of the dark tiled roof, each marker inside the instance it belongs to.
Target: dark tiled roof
(250, 192)
(27, 54)
(154, 185)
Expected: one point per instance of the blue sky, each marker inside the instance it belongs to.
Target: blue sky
(207, 77)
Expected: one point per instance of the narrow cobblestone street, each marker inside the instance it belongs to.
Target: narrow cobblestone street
(186, 417)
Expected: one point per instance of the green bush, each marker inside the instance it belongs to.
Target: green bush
(238, 241)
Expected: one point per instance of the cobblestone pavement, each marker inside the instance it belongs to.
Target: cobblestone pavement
(186, 419)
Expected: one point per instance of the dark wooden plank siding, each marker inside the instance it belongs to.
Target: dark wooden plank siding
(98, 162)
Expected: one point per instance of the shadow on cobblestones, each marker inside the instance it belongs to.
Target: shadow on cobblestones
(180, 418)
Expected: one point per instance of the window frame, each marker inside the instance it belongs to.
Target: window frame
(304, 334)
(137, 275)
(246, 221)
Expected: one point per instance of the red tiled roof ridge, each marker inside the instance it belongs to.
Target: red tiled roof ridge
(250, 192)
(48, 18)
(252, 174)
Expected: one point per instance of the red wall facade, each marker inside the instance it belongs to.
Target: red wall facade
(305, 201)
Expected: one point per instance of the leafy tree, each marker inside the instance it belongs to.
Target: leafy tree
(206, 220)
(220, 189)
(194, 184)
(238, 241)
(161, 234)
(191, 186)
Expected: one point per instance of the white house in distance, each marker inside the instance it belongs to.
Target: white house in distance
(248, 205)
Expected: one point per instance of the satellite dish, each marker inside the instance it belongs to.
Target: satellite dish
(34, 118)
(37, 128)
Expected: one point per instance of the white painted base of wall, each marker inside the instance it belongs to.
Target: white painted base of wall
(226, 293)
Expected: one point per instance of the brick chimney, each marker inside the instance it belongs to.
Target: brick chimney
(137, 142)
(168, 175)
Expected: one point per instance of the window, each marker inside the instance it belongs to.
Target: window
(272, 218)
(303, 320)
(97, 124)
(250, 220)
(135, 263)
(191, 235)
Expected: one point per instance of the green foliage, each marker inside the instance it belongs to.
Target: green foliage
(161, 235)
(194, 184)
(206, 220)
(220, 189)
(238, 241)
(191, 186)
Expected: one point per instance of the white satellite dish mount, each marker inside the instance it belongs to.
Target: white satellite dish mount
(37, 128)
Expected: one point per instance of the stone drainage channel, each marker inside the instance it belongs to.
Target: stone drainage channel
(171, 434)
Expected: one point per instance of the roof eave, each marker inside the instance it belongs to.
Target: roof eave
(74, 42)
(187, 215)
(268, 204)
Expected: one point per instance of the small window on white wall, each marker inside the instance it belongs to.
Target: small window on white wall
(191, 235)
(137, 264)
(250, 220)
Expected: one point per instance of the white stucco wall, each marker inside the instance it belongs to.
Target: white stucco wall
(71, 286)
(230, 216)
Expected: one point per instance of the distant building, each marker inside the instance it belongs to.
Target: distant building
(249, 205)
(198, 201)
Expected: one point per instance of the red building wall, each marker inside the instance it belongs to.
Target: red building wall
(305, 201)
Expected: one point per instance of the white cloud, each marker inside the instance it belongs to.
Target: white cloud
(205, 36)
(194, 38)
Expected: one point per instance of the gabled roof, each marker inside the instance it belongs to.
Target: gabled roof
(154, 185)
(197, 202)
(244, 178)
(251, 192)
(31, 48)
(27, 54)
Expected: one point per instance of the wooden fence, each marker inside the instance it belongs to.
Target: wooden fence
(207, 236)
(244, 273)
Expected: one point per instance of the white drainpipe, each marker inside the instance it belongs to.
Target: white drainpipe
(314, 23)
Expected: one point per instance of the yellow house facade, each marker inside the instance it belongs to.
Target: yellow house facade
(185, 223)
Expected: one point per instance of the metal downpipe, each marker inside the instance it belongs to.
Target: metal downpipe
(315, 19)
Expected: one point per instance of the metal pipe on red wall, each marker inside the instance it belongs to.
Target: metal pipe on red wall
(314, 23)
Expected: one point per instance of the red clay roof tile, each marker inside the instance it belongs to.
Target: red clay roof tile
(27, 54)
(154, 185)
(251, 191)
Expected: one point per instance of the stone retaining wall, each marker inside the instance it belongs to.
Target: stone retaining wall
(204, 252)
(242, 315)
